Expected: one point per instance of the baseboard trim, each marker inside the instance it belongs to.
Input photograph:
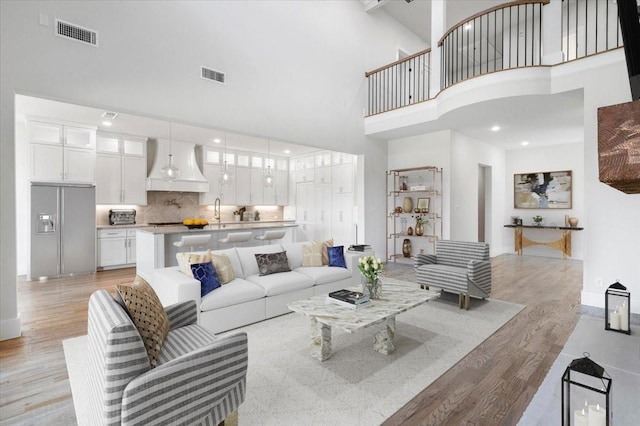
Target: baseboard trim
(10, 328)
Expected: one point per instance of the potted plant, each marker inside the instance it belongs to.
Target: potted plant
(371, 270)
(421, 221)
(537, 219)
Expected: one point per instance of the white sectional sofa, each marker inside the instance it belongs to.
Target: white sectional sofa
(250, 297)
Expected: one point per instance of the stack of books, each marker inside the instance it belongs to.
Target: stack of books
(360, 247)
(349, 299)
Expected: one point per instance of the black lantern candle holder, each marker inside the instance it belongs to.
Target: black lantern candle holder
(586, 394)
(617, 312)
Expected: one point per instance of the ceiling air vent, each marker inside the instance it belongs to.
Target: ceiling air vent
(77, 33)
(214, 75)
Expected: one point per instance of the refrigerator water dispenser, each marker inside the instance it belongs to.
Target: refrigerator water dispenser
(46, 223)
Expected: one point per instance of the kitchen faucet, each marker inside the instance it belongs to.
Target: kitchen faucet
(216, 210)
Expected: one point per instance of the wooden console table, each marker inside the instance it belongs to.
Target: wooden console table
(563, 243)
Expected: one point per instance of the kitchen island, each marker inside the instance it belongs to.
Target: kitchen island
(155, 249)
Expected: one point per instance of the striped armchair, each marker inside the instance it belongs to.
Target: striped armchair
(457, 267)
(200, 379)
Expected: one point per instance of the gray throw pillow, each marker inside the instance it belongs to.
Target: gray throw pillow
(271, 263)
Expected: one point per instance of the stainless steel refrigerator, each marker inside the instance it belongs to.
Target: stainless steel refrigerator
(63, 230)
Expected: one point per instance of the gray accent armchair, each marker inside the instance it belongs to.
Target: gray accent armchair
(459, 267)
(200, 379)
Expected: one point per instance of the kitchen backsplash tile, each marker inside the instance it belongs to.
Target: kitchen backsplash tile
(176, 206)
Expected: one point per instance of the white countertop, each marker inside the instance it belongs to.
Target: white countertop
(212, 227)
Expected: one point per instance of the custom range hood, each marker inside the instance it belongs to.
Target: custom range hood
(190, 178)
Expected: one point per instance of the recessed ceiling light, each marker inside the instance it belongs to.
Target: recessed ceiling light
(495, 128)
(106, 123)
(286, 151)
(525, 143)
(216, 140)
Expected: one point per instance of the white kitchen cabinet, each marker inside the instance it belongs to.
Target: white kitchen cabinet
(46, 163)
(108, 182)
(257, 187)
(305, 211)
(116, 248)
(322, 175)
(62, 153)
(134, 176)
(79, 165)
(131, 246)
(112, 247)
(322, 206)
(282, 188)
(342, 178)
(323, 159)
(304, 175)
(342, 228)
(46, 133)
(243, 189)
(80, 137)
(121, 170)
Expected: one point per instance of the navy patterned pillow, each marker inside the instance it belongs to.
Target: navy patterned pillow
(271, 263)
(207, 276)
(336, 256)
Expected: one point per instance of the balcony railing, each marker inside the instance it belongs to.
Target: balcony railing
(504, 37)
(589, 27)
(404, 82)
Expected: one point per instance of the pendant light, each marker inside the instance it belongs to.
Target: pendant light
(269, 180)
(170, 172)
(226, 177)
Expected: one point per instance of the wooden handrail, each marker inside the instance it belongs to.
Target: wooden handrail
(485, 12)
(399, 61)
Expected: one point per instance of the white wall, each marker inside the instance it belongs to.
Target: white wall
(459, 156)
(547, 159)
(432, 149)
(295, 72)
(467, 154)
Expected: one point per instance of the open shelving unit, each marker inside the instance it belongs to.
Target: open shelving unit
(420, 182)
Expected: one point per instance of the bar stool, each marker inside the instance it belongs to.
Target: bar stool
(271, 235)
(192, 241)
(236, 237)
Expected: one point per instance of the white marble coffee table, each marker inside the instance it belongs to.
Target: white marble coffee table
(396, 298)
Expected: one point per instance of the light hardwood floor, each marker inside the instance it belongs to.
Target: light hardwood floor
(491, 385)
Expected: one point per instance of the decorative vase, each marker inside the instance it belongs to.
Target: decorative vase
(573, 222)
(409, 231)
(419, 229)
(404, 183)
(566, 220)
(372, 287)
(406, 247)
(407, 204)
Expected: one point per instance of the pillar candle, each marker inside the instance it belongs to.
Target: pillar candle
(580, 418)
(597, 416)
(624, 317)
(614, 320)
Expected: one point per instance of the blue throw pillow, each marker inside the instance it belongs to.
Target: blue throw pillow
(207, 276)
(336, 256)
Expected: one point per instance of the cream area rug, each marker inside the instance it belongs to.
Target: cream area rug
(357, 385)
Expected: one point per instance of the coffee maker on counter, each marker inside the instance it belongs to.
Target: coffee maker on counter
(122, 217)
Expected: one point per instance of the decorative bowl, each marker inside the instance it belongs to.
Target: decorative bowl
(195, 226)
